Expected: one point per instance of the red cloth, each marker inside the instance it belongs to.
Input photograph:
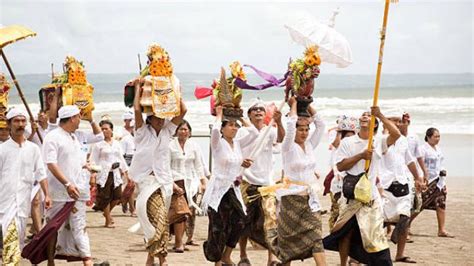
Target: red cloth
(127, 192)
(269, 110)
(327, 183)
(203, 92)
(37, 250)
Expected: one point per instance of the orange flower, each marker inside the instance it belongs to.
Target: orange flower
(311, 56)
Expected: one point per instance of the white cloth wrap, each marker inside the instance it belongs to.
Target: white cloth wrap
(147, 186)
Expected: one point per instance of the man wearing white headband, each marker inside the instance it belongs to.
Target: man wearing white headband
(85, 138)
(416, 150)
(258, 175)
(128, 145)
(395, 179)
(65, 160)
(361, 236)
(20, 167)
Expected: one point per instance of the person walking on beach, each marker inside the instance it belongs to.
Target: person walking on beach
(21, 166)
(86, 138)
(415, 149)
(151, 171)
(108, 154)
(39, 127)
(395, 180)
(256, 176)
(189, 179)
(128, 144)
(298, 233)
(128, 149)
(434, 197)
(197, 198)
(65, 159)
(346, 127)
(414, 144)
(358, 232)
(223, 199)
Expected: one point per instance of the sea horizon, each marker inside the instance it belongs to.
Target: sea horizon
(444, 101)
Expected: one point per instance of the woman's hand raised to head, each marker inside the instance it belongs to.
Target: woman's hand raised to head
(219, 111)
(311, 110)
(292, 103)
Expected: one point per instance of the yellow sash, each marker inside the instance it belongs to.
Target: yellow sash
(285, 184)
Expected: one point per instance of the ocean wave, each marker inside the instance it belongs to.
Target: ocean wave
(451, 115)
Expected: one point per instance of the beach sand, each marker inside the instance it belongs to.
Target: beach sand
(120, 247)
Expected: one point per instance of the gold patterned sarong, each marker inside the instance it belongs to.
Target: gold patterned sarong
(297, 234)
(261, 212)
(158, 216)
(335, 206)
(11, 245)
(370, 221)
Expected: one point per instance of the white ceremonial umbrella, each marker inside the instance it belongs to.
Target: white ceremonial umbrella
(333, 46)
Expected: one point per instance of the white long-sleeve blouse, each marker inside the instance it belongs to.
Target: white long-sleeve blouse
(300, 165)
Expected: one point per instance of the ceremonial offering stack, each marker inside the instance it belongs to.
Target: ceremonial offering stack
(73, 89)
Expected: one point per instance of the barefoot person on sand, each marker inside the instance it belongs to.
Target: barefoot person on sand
(358, 232)
(223, 199)
(108, 154)
(188, 175)
(42, 130)
(298, 233)
(128, 149)
(150, 170)
(434, 198)
(256, 176)
(21, 166)
(66, 160)
(395, 180)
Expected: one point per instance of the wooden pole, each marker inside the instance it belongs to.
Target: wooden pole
(22, 97)
(139, 64)
(377, 79)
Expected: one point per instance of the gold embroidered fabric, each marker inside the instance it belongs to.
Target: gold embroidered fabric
(4, 88)
(11, 246)
(370, 221)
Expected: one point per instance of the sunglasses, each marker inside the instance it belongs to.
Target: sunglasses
(257, 109)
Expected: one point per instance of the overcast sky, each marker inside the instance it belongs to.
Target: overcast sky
(422, 36)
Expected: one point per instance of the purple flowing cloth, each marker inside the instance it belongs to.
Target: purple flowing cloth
(37, 250)
(272, 80)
